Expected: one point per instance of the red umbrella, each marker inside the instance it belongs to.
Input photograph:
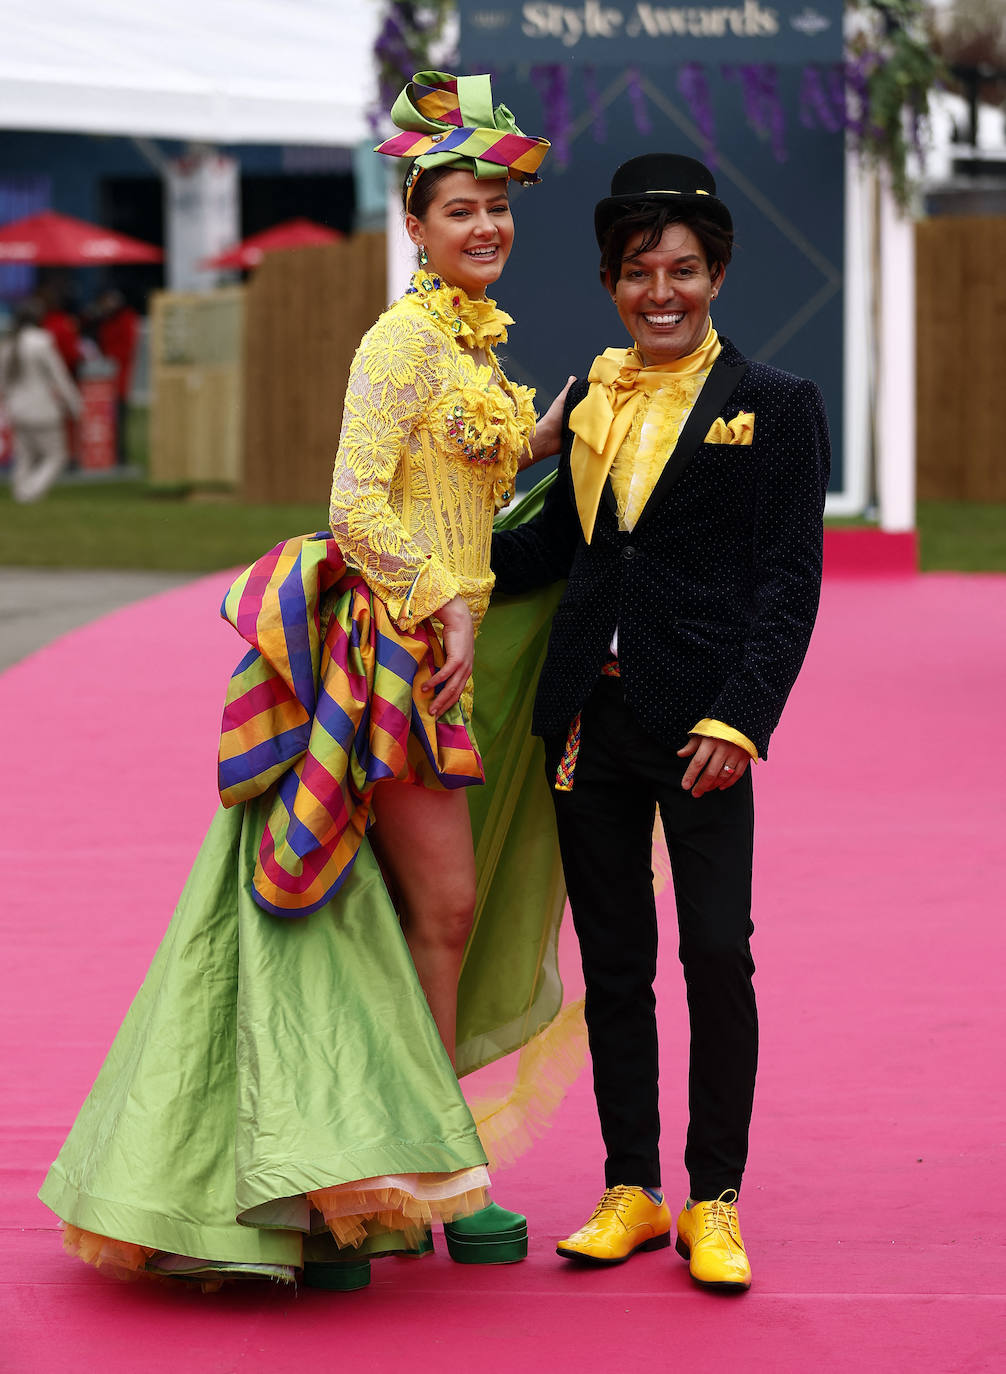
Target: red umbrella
(51, 240)
(292, 233)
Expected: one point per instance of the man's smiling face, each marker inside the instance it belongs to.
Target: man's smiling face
(662, 296)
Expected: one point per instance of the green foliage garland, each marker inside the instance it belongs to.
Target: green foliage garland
(890, 72)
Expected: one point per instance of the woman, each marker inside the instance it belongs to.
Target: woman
(432, 436)
(38, 394)
(327, 1124)
(687, 516)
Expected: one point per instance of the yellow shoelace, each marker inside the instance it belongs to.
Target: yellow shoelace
(721, 1216)
(613, 1200)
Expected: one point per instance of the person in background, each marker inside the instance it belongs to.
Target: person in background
(117, 333)
(39, 396)
(687, 517)
(63, 325)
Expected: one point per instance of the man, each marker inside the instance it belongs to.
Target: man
(686, 516)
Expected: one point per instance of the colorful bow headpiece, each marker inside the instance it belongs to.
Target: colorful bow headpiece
(448, 120)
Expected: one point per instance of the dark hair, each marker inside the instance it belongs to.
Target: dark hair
(425, 189)
(650, 220)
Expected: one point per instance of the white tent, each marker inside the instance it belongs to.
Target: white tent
(214, 71)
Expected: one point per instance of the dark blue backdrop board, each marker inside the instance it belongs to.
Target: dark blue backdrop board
(782, 300)
(618, 32)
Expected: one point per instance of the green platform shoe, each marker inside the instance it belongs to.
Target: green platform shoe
(338, 1276)
(490, 1236)
(323, 1270)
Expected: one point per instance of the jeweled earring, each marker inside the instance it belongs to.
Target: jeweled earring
(423, 259)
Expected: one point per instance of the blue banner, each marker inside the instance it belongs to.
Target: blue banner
(782, 300)
(630, 32)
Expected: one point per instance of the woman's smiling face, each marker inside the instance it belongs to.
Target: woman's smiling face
(467, 231)
(662, 296)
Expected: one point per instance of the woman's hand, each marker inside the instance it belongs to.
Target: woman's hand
(716, 764)
(547, 438)
(459, 650)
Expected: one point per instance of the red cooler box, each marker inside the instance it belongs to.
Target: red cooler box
(6, 441)
(96, 426)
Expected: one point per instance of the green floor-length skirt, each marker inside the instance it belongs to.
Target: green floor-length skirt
(264, 1058)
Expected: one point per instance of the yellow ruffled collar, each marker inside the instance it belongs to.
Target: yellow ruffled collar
(619, 384)
(474, 322)
(624, 369)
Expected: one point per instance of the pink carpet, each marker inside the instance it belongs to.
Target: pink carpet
(873, 1206)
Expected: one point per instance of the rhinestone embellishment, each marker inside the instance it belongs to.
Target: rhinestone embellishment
(466, 436)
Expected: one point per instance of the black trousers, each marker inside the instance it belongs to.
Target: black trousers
(605, 835)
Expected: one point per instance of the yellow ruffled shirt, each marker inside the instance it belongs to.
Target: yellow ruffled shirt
(432, 433)
(652, 438)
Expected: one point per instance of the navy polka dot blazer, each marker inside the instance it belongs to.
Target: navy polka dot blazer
(714, 591)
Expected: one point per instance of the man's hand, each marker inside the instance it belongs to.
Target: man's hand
(459, 650)
(547, 438)
(716, 764)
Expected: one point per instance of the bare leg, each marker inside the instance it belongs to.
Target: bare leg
(423, 841)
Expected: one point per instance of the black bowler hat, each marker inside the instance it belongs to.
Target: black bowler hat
(660, 178)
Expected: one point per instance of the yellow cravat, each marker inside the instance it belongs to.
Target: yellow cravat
(618, 383)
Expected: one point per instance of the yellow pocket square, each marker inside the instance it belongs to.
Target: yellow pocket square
(740, 429)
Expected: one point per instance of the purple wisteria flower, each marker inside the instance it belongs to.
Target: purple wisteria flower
(640, 114)
(818, 106)
(694, 87)
(762, 107)
(599, 124)
(552, 84)
(857, 81)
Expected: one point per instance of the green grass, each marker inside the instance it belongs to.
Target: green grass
(113, 524)
(110, 524)
(962, 536)
(954, 536)
(138, 437)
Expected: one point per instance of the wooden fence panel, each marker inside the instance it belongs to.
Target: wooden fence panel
(961, 357)
(195, 369)
(305, 313)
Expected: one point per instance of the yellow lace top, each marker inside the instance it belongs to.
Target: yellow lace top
(431, 437)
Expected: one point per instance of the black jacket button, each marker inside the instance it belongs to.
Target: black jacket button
(628, 551)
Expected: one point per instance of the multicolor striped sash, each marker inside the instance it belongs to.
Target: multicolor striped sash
(327, 703)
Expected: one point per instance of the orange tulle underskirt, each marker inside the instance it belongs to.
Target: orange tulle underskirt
(118, 1257)
(408, 1205)
(405, 1205)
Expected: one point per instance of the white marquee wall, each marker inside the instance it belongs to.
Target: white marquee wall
(214, 71)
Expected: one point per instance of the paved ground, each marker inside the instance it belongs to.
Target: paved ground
(38, 605)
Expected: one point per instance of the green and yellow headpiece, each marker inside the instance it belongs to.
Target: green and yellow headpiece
(450, 121)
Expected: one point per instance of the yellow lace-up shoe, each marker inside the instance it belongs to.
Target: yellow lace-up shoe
(624, 1221)
(709, 1238)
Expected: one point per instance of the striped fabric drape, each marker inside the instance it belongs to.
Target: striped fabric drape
(327, 703)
